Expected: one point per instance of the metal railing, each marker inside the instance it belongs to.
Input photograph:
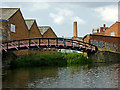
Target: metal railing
(48, 42)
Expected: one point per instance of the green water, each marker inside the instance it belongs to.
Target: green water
(75, 76)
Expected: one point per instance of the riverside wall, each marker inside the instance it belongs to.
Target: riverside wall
(105, 57)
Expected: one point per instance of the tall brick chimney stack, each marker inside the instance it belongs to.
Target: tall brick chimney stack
(75, 29)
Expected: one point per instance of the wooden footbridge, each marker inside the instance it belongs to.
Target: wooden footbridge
(39, 43)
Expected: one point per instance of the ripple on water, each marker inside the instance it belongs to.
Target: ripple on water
(103, 76)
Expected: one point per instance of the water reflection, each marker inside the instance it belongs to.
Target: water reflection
(19, 78)
(95, 76)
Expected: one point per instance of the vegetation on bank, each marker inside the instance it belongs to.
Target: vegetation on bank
(106, 49)
(50, 59)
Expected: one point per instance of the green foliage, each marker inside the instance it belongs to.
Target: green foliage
(50, 59)
(77, 58)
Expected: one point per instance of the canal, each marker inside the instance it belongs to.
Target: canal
(75, 76)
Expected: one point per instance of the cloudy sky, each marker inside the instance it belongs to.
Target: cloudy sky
(60, 16)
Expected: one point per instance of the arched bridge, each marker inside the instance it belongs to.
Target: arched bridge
(38, 43)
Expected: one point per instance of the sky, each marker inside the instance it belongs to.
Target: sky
(60, 16)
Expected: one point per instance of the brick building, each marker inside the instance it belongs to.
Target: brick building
(47, 32)
(113, 30)
(33, 31)
(12, 24)
(100, 31)
(105, 37)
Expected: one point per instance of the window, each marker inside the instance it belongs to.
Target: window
(49, 49)
(112, 33)
(45, 49)
(12, 28)
(53, 49)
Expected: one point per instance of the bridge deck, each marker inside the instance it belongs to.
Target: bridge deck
(48, 43)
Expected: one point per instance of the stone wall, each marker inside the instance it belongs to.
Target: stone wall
(105, 56)
(107, 42)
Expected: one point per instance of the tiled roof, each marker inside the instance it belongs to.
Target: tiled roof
(43, 29)
(7, 12)
(29, 23)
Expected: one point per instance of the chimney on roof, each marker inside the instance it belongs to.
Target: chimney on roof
(75, 29)
(104, 25)
(101, 29)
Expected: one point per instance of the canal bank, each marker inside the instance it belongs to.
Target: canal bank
(105, 57)
(71, 58)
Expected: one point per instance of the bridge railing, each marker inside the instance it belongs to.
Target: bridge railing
(46, 42)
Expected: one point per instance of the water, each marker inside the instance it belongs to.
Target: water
(95, 76)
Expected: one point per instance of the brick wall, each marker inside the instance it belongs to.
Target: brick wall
(3, 30)
(49, 34)
(114, 28)
(21, 30)
(20, 26)
(100, 33)
(108, 42)
(86, 38)
(28, 51)
(34, 31)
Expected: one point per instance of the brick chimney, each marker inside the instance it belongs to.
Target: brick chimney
(75, 29)
(104, 25)
(101, 29)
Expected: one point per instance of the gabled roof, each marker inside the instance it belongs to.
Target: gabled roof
(29, 23)
(8, 12)
(43, 29)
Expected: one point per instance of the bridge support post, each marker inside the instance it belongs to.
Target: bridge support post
(39, 42)
(29, 42)
(64, 42)
(7, 45)
(57, 42)
(18, 44)
(48, 42)
(72, 42)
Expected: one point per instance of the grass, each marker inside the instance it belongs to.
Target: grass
(50, 59)
(106, 49)
(77, 58)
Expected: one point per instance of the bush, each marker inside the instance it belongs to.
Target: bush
(77, 58)
(50, 59)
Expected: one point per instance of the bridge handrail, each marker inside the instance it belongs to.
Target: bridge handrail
(63, 39)
(29, 39)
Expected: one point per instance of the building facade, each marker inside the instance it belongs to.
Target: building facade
(47, 32)
(105, 37)
(12, 24)
(113, 30)
(100, 31)
(33, 31)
